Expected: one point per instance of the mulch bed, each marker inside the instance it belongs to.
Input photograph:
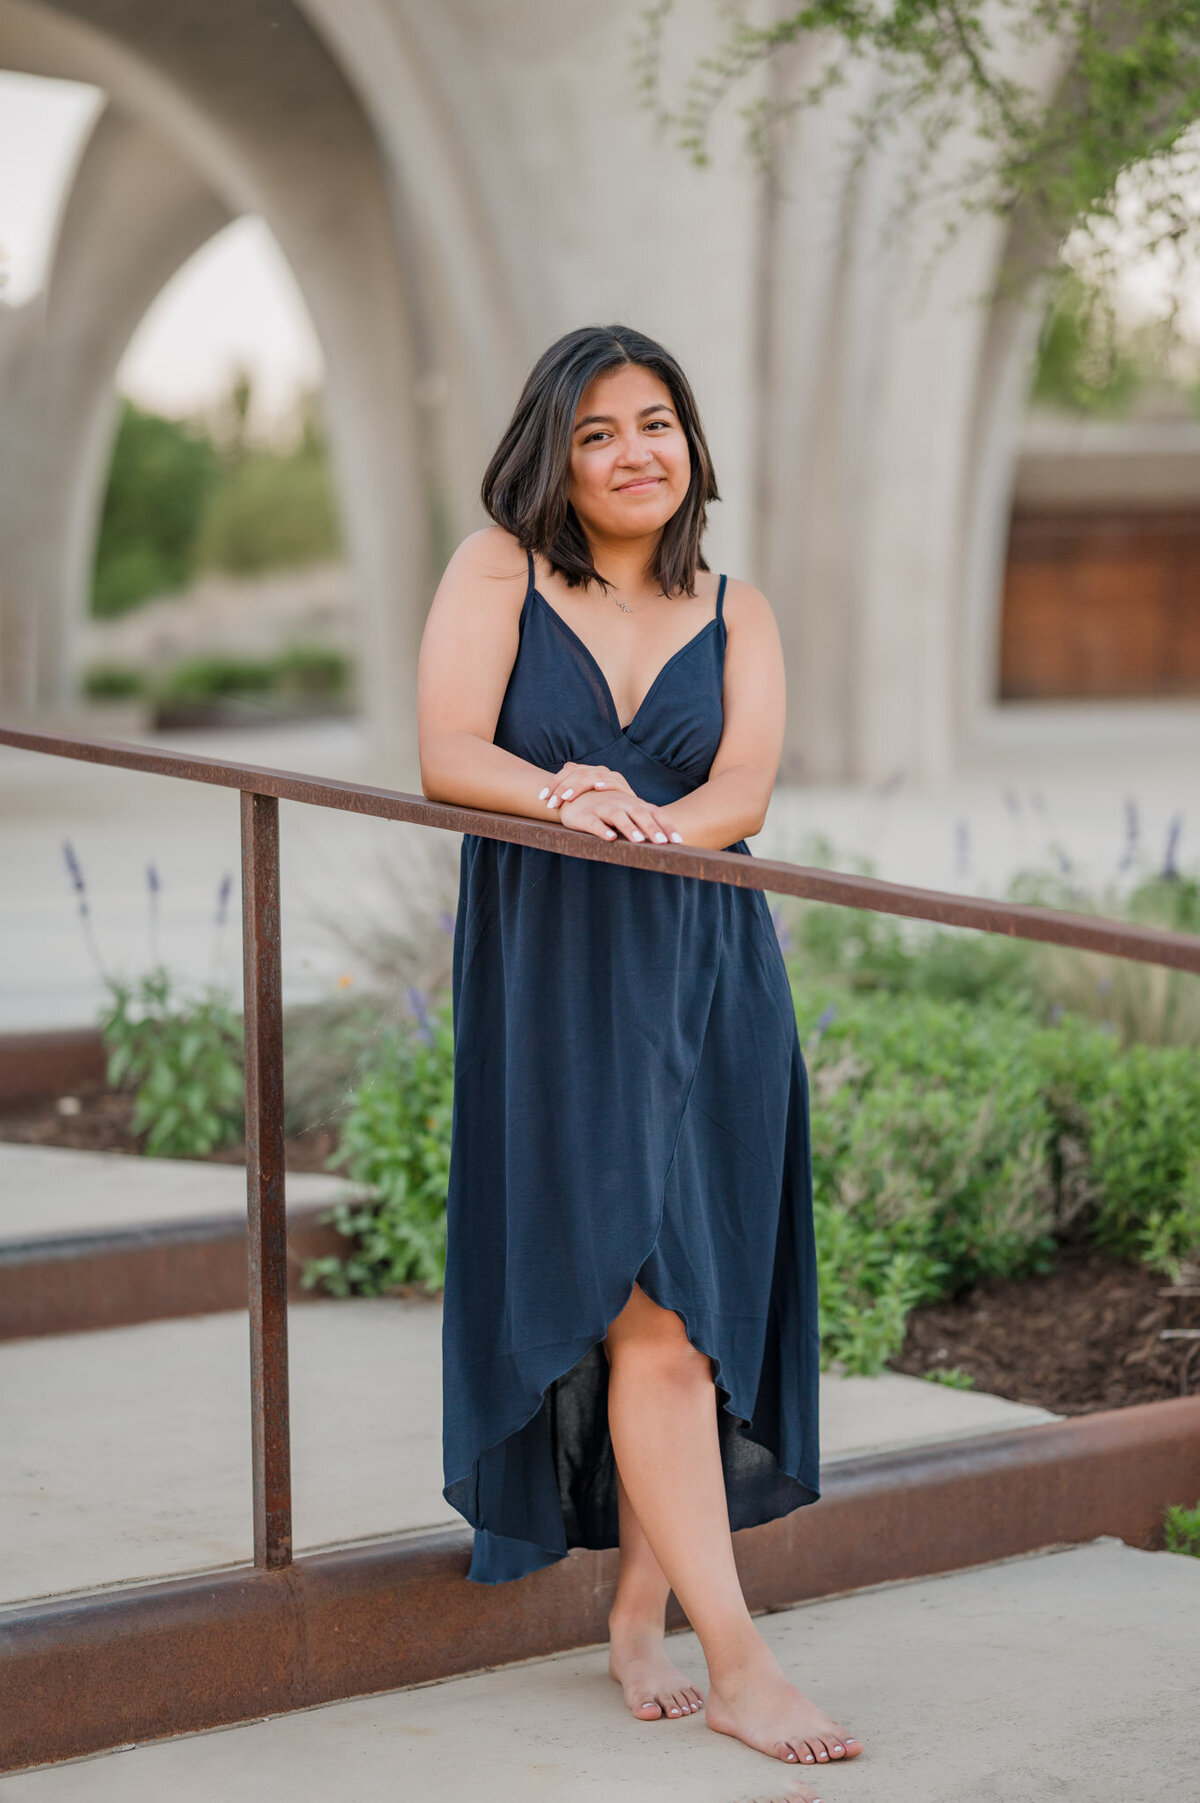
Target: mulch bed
(1084, 1337)
(104, 1123)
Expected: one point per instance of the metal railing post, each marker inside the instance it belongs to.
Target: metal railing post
(271, 1435)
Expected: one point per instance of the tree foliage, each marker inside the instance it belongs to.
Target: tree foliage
(1122, 95)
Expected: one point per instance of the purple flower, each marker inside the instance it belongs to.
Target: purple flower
(446, 921)
(76, 875)
(1103, 984)
(417, 1002)
(1170, 867)
(223, 893)
(1129, 852)
(152, 879)
(782, 930)
(1064, 863)
(827, 1014)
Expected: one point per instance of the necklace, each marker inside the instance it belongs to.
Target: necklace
(634, 610)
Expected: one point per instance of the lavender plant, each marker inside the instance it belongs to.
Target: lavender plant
(180, 1053)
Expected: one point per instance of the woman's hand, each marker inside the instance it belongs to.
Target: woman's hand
(619, 814)
(572, 779)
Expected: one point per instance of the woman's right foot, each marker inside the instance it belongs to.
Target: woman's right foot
(652, 1684)
(755, 1703)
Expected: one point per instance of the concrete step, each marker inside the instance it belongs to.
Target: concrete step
(102, 1239)
(1067, 1677)
(128, 1452)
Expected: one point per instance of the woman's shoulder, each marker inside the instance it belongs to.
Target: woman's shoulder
(745, 604)
(492, 552)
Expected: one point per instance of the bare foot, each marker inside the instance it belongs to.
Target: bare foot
(759, 1706)
(653, 1685)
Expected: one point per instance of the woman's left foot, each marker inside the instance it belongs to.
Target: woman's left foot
(653, 1686)
(759, 1706)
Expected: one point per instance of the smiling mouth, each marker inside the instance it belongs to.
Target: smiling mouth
(640, 482)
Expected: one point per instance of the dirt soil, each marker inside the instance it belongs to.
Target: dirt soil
(1084, 1337)
(104, 1124)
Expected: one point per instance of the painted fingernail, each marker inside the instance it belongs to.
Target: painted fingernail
(610, 834)
(677, 838)
(567, 794)
(542, 794)
(599, 785)
(636, 835)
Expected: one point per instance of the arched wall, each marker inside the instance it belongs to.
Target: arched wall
(255, 103)
(135, 212)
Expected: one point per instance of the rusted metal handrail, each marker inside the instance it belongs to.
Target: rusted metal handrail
(262, 789)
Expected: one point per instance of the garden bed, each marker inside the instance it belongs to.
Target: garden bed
(104, 1124)
(1083, 1337)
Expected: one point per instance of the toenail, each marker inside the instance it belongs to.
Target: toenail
(838, 1747)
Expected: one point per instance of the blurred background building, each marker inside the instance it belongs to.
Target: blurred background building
(296, 257)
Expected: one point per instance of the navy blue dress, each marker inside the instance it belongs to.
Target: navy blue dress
(630, 1104)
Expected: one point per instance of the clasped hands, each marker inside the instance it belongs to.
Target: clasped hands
(593, 799)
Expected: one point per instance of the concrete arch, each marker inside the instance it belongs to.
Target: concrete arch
(135, 212)
(251, 97)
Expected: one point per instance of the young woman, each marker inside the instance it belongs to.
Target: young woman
(630, 1341)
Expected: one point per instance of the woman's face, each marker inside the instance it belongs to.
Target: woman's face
(630, 463)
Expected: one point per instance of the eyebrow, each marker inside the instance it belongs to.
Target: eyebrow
(606, 419)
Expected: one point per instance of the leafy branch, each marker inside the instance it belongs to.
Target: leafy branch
(1108, 136)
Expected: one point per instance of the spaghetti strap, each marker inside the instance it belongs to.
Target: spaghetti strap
(532, 583)
(721, 599)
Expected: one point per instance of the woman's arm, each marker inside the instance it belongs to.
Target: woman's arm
(732, 804)
(467, 653)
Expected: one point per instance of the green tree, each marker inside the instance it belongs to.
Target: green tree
(159, 483)
(1127, 97)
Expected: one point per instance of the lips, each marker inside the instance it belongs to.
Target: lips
(643, 484)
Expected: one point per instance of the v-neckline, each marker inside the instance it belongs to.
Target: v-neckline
(607, 686)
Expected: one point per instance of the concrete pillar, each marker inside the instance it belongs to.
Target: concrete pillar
(135, 212)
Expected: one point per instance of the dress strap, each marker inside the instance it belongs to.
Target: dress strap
(532, 584)
(721, 598)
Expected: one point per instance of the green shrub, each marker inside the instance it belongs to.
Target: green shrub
(1183, 1530)
(183, 1057)
(159, 483)
(396, 1139)
(113, 682)
(271, 510)
(205, 678)
(952, 1376)
(311, 670)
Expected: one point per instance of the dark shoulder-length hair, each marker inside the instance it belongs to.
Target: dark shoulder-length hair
(525, 484)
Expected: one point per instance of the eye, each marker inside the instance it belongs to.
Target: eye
(659, 422)
(592, 435)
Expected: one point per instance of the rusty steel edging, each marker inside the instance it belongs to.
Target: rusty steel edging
(81, 1282)
(1089, 932)
(82, 1674)
(40, 1064)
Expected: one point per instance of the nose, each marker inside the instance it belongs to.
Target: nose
(635, 452)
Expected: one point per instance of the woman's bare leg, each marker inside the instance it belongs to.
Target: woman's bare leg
(662, 1406)
(637, 1655)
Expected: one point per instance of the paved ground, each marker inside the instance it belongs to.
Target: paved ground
(127, 1452)
(50, 1190)
(970, 834)
(1064, 1678)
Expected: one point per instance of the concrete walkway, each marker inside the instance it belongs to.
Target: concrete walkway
(46, 1191)
(127, 1452)
(1064, 1678)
